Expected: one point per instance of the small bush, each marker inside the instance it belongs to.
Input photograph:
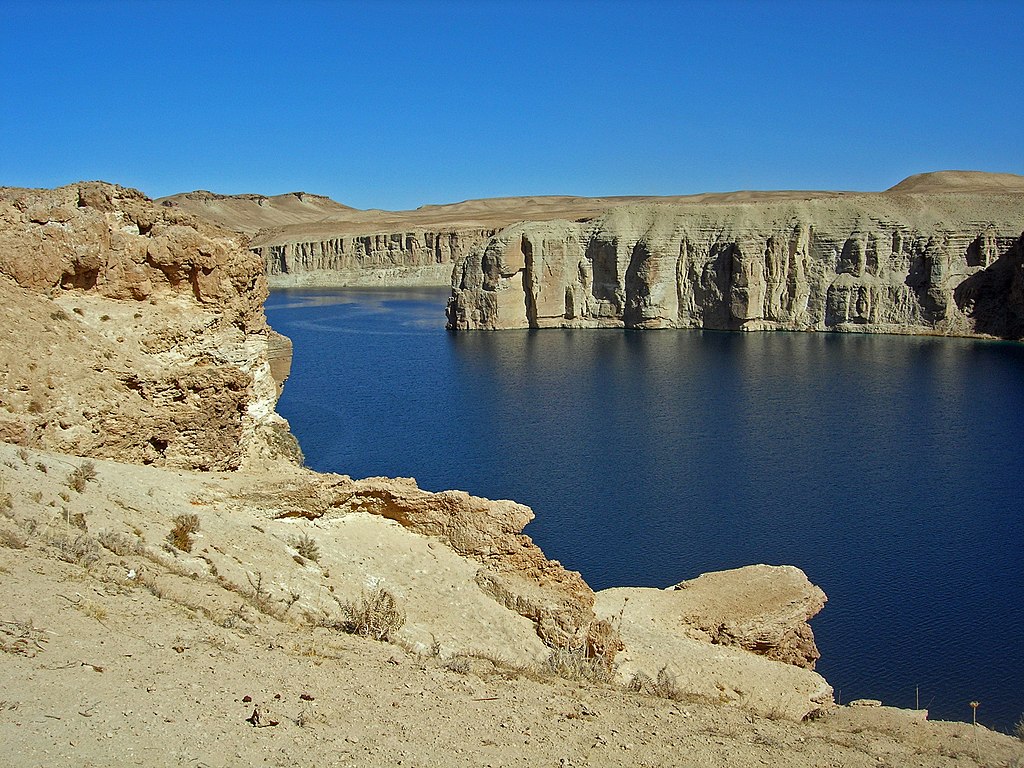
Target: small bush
(181, 534)
(667, 686)
(375, 614)
(21, 638)
(82, 475)
(306, 546)
(1018, 729)
(83, 549)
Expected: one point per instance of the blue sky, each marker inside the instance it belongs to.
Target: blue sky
(395, 105)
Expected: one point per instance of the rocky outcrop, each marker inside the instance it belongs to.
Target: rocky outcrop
(419, 257)
(157, 345)
(886, 263)
(723, 635)
(514, 570)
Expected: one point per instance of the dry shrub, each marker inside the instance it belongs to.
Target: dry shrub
(82, 475)
(306, 546)
(1018, 729)
(591, 657)
(181, 534)
(666, 686)
(83, 549)
(375, 614)
(21, 638)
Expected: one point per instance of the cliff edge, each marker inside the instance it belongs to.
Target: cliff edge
(894, 262)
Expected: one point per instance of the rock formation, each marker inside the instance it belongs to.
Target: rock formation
(416, 257)
(693, 631)
(136, 334)
(153, 326)
(889, 262)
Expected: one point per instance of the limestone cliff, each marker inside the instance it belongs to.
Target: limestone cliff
(414, 257)
(887, 262)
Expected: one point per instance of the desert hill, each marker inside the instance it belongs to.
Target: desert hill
(179, 589)
(960, 181)
(250, 213)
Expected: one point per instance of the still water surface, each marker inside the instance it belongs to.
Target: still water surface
(887, 468)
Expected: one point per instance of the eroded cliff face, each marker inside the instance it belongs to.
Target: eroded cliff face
(133, 332)
(887, 263)
(413, 258)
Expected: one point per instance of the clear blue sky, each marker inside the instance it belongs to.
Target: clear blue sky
(395, 105)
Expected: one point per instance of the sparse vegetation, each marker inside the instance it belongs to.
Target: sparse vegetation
(13, 539)
(6, 501)
(83, 549)
(306, 546)
(664, 686)
(82, 475)
(183, 531)
(375, 614)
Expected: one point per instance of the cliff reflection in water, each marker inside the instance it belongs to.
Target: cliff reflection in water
(885, 467)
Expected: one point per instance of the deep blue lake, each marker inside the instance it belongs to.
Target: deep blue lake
(888, 468)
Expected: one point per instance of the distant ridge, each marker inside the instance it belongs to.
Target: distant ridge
(298, 216)
(249, 213)
(960, 181)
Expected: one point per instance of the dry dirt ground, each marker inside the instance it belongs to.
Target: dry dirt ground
(127, 652)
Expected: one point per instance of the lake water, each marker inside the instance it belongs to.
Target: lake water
(887, 468)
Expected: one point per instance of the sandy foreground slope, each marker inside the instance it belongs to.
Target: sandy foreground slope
(141, 657)
(136, 390)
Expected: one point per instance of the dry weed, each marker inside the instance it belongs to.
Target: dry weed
(375, 614)
(78, 479)
(121, 543)
(83, 549)
(306, 546)
(181, 534)
(13, 539)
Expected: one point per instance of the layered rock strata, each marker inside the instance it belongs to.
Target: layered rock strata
(413, 258)
(887, 263)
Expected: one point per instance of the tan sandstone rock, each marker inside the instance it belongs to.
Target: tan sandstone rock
(153, 326)
(695, 630)
(894, 262)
